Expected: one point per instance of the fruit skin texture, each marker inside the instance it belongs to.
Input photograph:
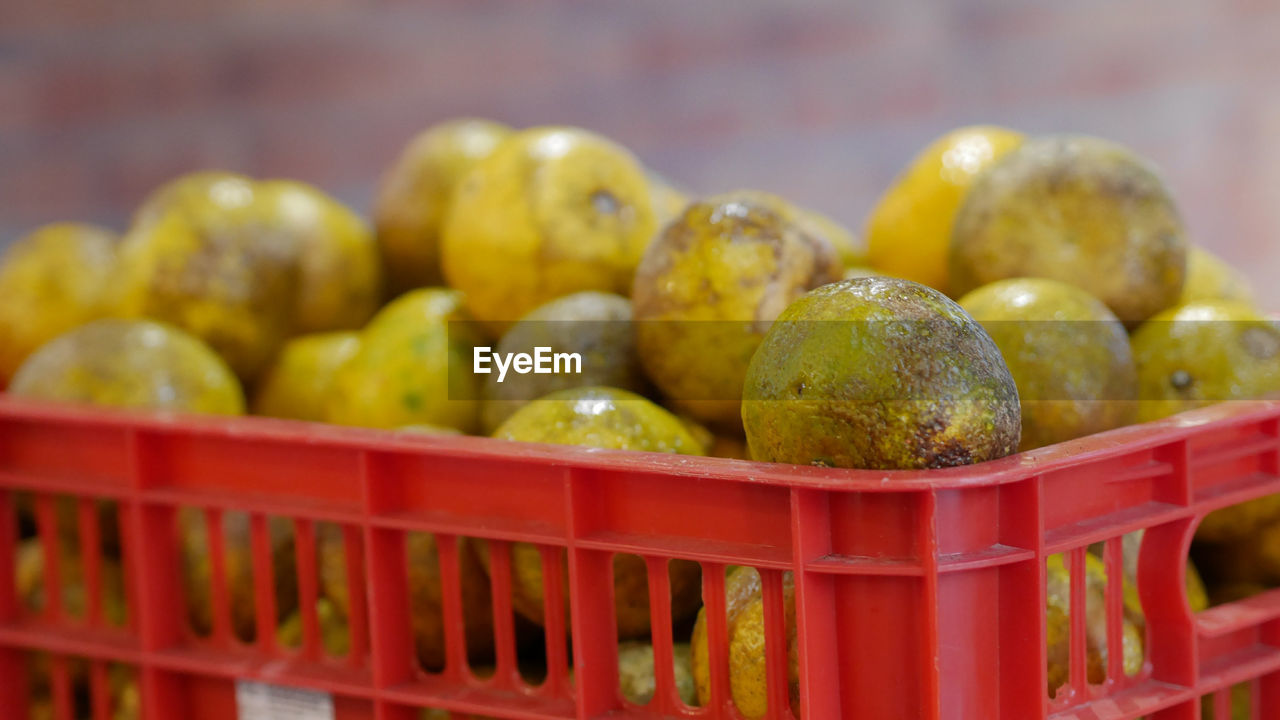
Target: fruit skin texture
(339, 271)
(879, 373)
(401, 374)
(220, 267)
(1077, 209)
(1202, 353)
(131, 363)
(744, 606)
(416, 192)
(909, 231)
(603, 418)
(51, 281)
(1058, 624)
(1209, 277)
(300, 380)
(708, 289)
(552, 211)
(243, 265)
(1068, 354)
(595, 325)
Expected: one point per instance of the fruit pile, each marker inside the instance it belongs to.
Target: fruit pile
(1009, 293)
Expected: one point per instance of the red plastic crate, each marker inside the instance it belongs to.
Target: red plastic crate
(918, 594)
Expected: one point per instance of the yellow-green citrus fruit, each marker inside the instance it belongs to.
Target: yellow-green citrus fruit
(1202, 353)
(402, 373)
(879, 373)
(299, 382)
(416, 192)
(552, 211)
(1068, 353)
(709, 288)
(909, 231)
(130, 363)
(51, 281)
(1077, 209)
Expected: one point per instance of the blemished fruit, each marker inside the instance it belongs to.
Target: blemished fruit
(744, 607)
(339, 271)
(299, 382)
(1205, 352)
(415, 195)
(708, 289)
(1077, 209)
(426, 615)
(219, 266)
(1068, 354)
(603, 418)
(595, 325)
(51, 281)
(879, 373)
(131, 363)
(1058, 625)
(243, 265)
(909, 231)
(401, 373)
(1209, 277)
(553, 211)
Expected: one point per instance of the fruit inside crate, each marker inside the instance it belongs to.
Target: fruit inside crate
(886, 553)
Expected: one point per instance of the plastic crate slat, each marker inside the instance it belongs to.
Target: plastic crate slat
(1251, 662)
(99, 693)
(78, 485)
(455, 642)
(91, 557)
(357, 627)
(8, 552)
(1139, 701)
(219, 594)
(246, 663)
(102, 643)
(1234, 492)
(853, 565)
(727, 553)
(302, 508)
(60, 688)
(493, 528)
(479, 700)
(554, 626)
(50, 546)
(1122, 522)
(1256, 444)
(304, 548)
(993, 556)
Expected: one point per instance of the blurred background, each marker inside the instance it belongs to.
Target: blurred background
(822, 102)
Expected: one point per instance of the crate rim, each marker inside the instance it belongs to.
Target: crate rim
(1096, 447)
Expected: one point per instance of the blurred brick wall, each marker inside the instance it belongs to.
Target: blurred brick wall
(99, 102)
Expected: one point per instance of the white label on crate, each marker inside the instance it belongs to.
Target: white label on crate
(259, 701)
